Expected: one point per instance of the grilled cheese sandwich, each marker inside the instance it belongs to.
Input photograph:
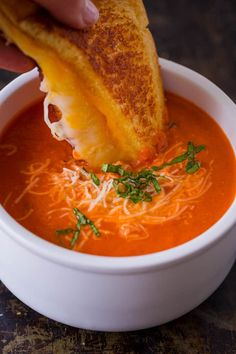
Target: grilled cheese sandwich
(104, 81)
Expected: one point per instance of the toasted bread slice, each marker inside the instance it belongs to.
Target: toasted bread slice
(105, 80)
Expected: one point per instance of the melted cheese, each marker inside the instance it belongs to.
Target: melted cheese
(81, 124)
(109, 92)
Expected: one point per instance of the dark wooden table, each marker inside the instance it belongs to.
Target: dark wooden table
(200, 34)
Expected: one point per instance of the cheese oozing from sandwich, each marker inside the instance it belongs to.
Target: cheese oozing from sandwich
(104, 82)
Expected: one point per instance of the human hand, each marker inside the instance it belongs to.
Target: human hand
(75, 13)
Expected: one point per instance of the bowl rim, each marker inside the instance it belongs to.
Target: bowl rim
(130, 264)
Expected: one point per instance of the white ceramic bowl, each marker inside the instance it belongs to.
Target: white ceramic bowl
(128, 293)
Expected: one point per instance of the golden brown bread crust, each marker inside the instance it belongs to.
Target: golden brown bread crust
(121, 53)
(118, 57)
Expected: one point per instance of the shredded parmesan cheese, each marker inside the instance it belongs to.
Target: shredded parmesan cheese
(73, 187)
(26, 215)
(27, 189)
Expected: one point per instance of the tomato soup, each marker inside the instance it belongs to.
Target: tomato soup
(118, 210)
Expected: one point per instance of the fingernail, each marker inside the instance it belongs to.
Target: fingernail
(91, 13)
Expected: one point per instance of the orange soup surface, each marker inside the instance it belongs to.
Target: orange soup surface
(41, 184)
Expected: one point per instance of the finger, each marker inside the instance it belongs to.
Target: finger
(75, 13)
(14, 60)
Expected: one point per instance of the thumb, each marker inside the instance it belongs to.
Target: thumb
(75, 13)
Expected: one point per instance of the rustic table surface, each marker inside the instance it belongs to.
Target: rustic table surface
(201, 35)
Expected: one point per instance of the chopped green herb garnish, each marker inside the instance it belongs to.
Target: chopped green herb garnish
(75, 238)
(95, 230)
(64, 231)
(189, 155)
(133, 185)
(82, 220)
(156, 185)
(192, 166)
(106, 167)
(132, 189)
(95, 179)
